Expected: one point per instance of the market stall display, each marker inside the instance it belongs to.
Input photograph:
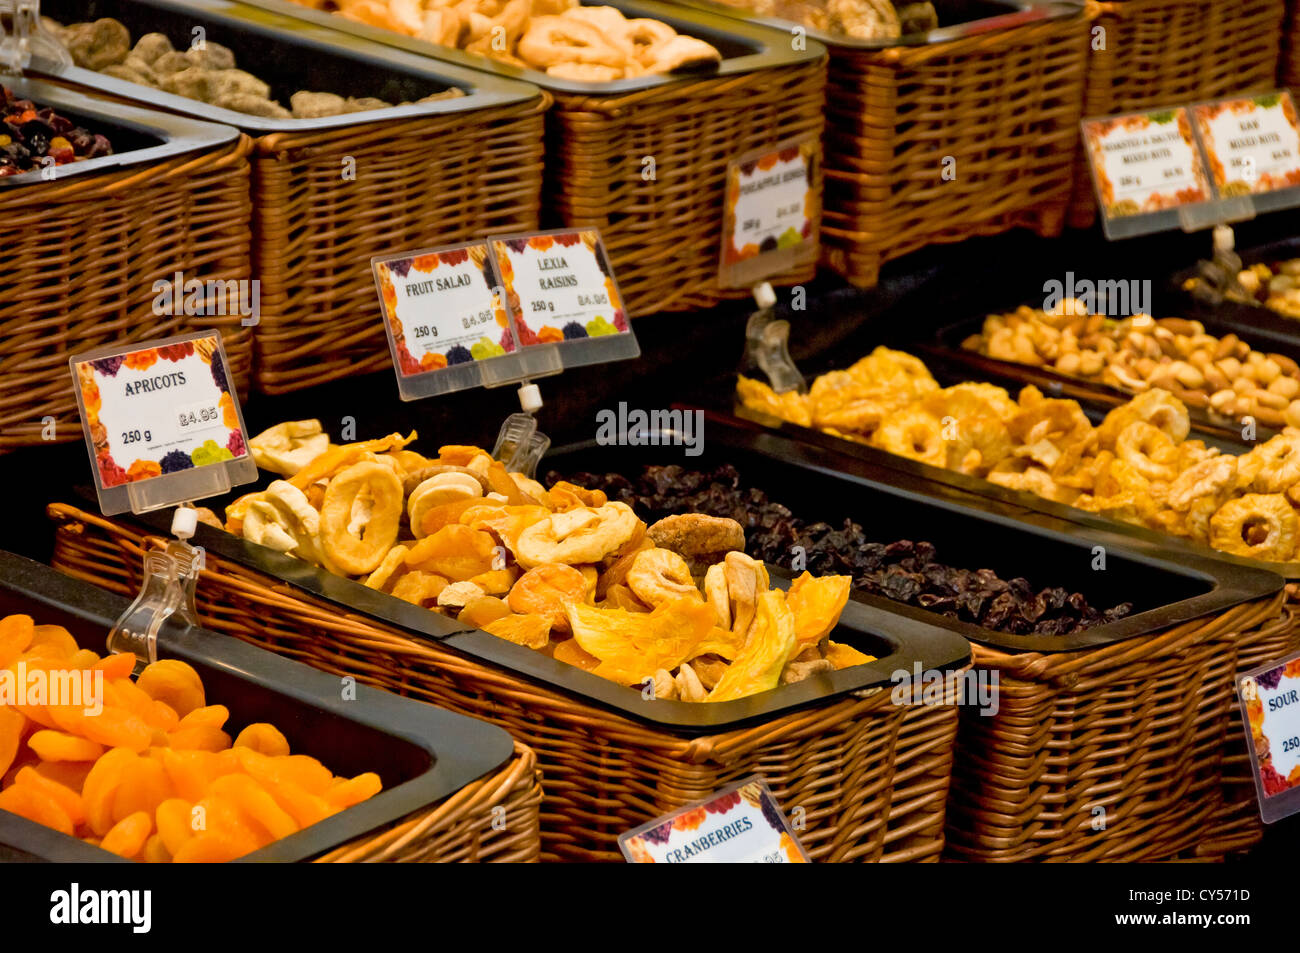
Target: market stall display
(170, 196)
(34, 134)
(1162, 53)
(333, 189)
(644, 158)
(123, 769)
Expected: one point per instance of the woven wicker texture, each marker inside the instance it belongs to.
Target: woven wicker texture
(81, 256)
(871, 777)
(1112, 754)
(664, 233)
(1289, 68)
(435, 180)
(1004, 106)
(1170, 52)
(493, 820)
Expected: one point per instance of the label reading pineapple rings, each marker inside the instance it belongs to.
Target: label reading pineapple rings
(770, 213)
(1270, 709)
(741, 824)
(162, 422)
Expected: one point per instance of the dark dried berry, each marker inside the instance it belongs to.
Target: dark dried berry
(573, 331)
(175, 461)
(459, 355)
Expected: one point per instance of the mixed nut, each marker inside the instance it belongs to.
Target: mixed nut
(206, 73)
(1275, 286)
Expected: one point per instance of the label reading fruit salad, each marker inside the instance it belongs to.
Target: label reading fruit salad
(1270, 702)
(1146, 162)
(559, 287)
(442, 308)
(770, 213)
(161, 411)
(741, 824)
(1252, 143)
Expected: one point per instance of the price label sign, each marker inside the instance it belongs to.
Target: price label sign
(1270, 708)
(1252, 143)
(162, 422)
(770, 213)
(741, 824)
(1145, 162)
(442, 308)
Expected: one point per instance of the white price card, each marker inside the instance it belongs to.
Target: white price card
(1145, 162)
(741, 824)
(1252, 143)
(162, 422)
(1270, 703)
(442, 307)
(770, 215)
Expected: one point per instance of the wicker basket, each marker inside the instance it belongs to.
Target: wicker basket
(1171, 52)
(664, 233)
(1004, 105)
(1289, 68)
(493, 820)
(436, 180)
(871, 777)
(81, 256)
(1113, 754)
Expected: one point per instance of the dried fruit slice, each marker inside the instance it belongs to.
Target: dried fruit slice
(264, 738)
(68, 800)
(545, 590)
(12, 725)
(532, 631)
(127, 836)
(144, 786)
(354, 791)
(26, 802)
(101, 786)
(771, 644)
(256, 804)
(16, 632)
(174, 683)
(846, 656)
(817, 604)
(53, 641)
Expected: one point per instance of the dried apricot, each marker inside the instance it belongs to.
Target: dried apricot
(16, 632)
(127, 836)
(101, 786)
(68, 800)
(479, 612)
(264, 738)
(419, 588)
(354, 791)
(571, 652)
(256, 804)
(175, 683)
(210, 848)
(497, 582)
(545, 590)
(116, 728)
(12, 724)
(155, 851)
(198, 738)
(219, 815)
(445, 514)
(190, 772)
(82, 658)
(53, 641)
(144, 786)
(53, 745)
(174, 819)
(35, 806)
(532, 631)
(120, 665)
(213, 716)
(71, 774)
(455, 552)
(305, 808)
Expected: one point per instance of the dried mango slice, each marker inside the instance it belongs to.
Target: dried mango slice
(16, 632)
(846, 656)
(545, 590)
(532, 631)
(632, 646)
(127, 837)
(571, 652)
(771, 643)
(817, 603)
(264, 738)
(52, 745)
(336, 459)
(174, 683)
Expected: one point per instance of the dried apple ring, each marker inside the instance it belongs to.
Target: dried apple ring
(578, 536)
(1148, 450)
(362, 552)
(545, 590)
(658, 575)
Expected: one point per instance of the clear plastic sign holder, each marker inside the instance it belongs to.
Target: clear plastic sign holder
(1217, 210)
(1273, 690)
(24, 39)
(169, 575)
(767, 346)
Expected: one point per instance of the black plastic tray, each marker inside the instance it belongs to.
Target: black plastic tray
(1281, 333)
(744, 46)
(818, 484)
(957, 19)
(289, 55)
(138, 135)
(898, 639)
(423, 754)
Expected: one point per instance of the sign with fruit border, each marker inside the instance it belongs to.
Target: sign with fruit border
(1270, 714)
(742, 823)
(1252, 143)
(770, 213)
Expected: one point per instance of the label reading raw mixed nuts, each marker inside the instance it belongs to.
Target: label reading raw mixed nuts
(1146, 162)
(442, 307)
(741, 824)
(163, 408)
(1252, 143)
(559, 286)
(771, 203)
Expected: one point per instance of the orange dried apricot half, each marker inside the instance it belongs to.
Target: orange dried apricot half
(264, 738)
(52, 745)
(127, 836)
(545, 590)
(175, 683)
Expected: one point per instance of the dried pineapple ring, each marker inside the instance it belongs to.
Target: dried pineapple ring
(578, 536)
(1257, 525)
(1148, 449)
(1210, 477)
(545, 590)
(913, 433)
(658, 575)
(358, 554)
(437, 491)
(1278, 464)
